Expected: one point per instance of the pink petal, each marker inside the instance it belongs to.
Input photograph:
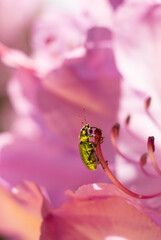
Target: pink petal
(20, 211)
(137, 43)
(15, 29)
(86, 82)
(105, 217)
(46, 162)
(45, 145)
(99, 190)
(116, 3)
(57, 33)
(15, 58)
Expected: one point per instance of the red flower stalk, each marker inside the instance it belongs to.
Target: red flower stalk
(98, 136)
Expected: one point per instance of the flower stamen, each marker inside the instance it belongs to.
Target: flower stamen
(143, 162)
(98, 136)
(151, 150)
(130, 132)
(147, 106)
(114, 135)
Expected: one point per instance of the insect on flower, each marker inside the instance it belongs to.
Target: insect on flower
(87, 148)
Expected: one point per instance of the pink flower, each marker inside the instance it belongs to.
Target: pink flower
(20, 211)
(49, 90)
(94, 211)
(42, 145)
(99, 211)
(137, 37)
(14, 30)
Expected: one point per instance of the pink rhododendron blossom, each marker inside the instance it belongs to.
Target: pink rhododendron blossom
(99, 211)
(14, 31)
(136, 46)
(20, 211)
(75, 64)
(132, 142)
(57, 35)
(137, 37)
(49, 100)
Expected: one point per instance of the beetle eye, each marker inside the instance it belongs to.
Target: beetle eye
(90, 130)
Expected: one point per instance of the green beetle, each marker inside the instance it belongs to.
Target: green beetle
(87, 148)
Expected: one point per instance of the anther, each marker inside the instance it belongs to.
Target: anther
(115, 130)
(143, 159)
(151, 144)
(147, 102)
(151, 149)
(127, 120)
(143, 162)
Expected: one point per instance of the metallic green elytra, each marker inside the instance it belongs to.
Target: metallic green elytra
(87, 148)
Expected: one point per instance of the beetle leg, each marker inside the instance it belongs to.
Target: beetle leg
(99, 141)
(93, 135)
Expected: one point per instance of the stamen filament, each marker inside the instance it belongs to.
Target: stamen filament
(114, 134)
(130, 132)
(147, 106)
(151, 149)
(143, 161)
(98, 135)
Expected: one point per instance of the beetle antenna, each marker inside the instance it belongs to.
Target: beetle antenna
(85, 120)
(84, 115)
(81, 120)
